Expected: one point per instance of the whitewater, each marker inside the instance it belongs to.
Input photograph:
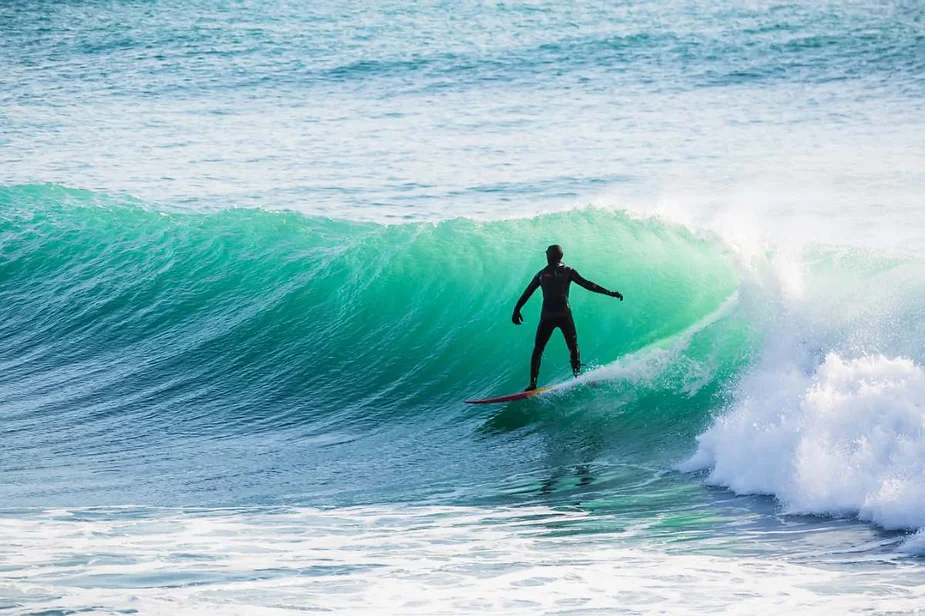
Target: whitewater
(255, 255)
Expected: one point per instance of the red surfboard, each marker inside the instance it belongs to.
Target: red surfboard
(510, 398)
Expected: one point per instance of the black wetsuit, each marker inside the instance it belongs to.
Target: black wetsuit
(557, 313)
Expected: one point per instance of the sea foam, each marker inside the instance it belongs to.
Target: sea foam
(845, 438)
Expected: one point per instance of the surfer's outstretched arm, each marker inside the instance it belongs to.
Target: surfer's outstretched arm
(593, 287)
(517, 318)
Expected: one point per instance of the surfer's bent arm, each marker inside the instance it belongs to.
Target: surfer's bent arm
(593, 286)
(531, 288)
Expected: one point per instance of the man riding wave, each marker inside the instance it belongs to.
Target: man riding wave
(555, 280)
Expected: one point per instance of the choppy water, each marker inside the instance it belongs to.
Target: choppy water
(254, 255)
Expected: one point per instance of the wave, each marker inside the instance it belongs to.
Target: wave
(240, 321)
(128, 328)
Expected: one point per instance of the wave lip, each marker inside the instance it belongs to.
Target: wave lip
(846, 439)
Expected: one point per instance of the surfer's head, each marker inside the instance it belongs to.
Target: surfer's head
(554, 254)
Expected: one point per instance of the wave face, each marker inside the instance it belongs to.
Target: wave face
(134, 333)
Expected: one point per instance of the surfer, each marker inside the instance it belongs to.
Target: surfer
(555, 279)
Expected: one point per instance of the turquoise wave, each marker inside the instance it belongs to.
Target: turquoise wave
(127, 323)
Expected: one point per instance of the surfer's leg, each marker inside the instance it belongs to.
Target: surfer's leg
(543, 332)
(571, 340)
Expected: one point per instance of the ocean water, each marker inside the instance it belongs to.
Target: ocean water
(254, 256)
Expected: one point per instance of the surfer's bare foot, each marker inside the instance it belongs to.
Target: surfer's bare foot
(531, 387)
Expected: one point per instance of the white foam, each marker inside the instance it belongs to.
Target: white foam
(830, 418)
(848, 438)
(394, 560)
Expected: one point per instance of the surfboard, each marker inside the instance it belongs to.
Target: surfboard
(540, 390)
(511, 397)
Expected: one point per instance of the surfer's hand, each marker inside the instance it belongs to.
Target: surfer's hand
(517, 318)
(617, 294)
